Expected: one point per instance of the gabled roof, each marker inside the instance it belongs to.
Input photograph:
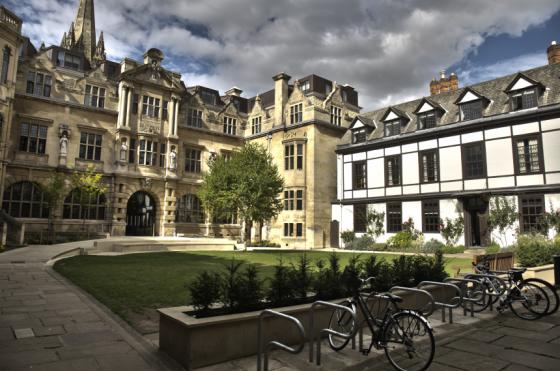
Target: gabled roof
(468, 95)
(521, 81)
(396, 111)
(360, 122)
(427, 101)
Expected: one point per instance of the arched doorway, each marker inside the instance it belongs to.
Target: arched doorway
(140, 215)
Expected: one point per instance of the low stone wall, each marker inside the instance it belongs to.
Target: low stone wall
(545, 272)
(201, 342)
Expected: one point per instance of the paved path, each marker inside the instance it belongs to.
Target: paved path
(47, 324)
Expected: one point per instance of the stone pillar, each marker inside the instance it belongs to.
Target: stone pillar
(176, 117)
(4, 233)
(171, 120)
(21, 234)
(122, 97)
(128, 106)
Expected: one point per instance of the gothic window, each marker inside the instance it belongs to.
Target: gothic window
(227, 217)
(162, 154)
(429, 167)
(132, 151)
(147, 153)
(80, 205)
(360, 175)
(296, 114)
(67, 60)
(392, 171)
(293, 199)
(195, 118)
(474, 160)
(95, 96)
(192, 160)
(528, 154)
(150, 106)
(256, 125)
(230, 125)
(25, 200)
(33, 138)
(39, 84)
(164, 110)
(336, 115)
(90, 146)
(189, 209)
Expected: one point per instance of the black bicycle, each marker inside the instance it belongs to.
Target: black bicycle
(405, 335)
(528, 299)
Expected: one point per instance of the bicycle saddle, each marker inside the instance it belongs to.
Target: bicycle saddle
(518, 270)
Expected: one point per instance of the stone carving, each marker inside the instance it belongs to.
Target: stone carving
(63, 142)
(173, 159)
(150, 126)
(123, 150)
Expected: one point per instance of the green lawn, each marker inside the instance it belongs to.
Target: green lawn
(134, 285)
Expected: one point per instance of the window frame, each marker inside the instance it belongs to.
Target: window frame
(194, 118)
(336, 115)
(39, 140)
(148, 155)
(359, 183)
(296, 113)
(522, 93)
(90, 151)
(422, 119)
(230, 125)
(6, 56)
(256, 125)
(391, 124)
(426, 209)
(515, 140)
(359, 135)
(390, 217)
(436, 168)
(522, 224)
(72, 206)
(194, 214)
(151, 106)
(386, 168)
(462, 106)
(464, 149)
(193, 164)
(37, 199)
(91, 97)
(39, 88)
(357, 214)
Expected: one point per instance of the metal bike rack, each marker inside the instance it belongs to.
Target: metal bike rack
(325, 330)
(455, 301)
(277, 344)
(489, 276)
(412, 290)
(467, 295)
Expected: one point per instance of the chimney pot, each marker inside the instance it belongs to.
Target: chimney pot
(442, 74)
(553, 53)
(553, 42)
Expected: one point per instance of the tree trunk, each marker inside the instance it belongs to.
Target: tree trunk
(248, 226)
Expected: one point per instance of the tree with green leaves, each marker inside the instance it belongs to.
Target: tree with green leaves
(53, 191)
(247, 183)
(375, 223)
(89, 185)
(501, 216)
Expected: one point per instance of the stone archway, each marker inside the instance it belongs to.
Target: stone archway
(140, 215)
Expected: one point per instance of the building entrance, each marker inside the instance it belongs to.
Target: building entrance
(476, 221)
(140, 215)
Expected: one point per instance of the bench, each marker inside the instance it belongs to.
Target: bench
(501, 261)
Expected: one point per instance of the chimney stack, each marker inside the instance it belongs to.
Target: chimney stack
(235, 91)
(444, 83)
(280, 96)
(553, 53)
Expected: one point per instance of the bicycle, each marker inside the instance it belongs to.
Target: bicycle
(526, 299)
(548, 288)
(405, 335)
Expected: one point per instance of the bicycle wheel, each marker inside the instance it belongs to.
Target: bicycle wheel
(528, 301)
(550, 292)
(409, 341)
(341, 321)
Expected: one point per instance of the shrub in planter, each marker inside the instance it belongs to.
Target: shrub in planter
(282, 289)
(328, 284)
(205, 290)
(231, 291)
(250, 289)
(351, 275)
(380, 270)
(302, 276)
(533, 250)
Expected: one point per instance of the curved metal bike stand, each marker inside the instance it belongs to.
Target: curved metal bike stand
(455, 301)
(325, 330)
(489, 276)
(467, 295)
(431, 300)
(277, 344)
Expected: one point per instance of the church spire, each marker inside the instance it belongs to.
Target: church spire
(100, 55)
(84, 28)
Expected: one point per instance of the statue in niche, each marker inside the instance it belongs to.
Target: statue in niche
(63, 142)
(123, 150)
(173, 158)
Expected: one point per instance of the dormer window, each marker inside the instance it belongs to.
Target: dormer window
(427, 120)
(305, 86)
(471, 110)
(523, 99)
(208, 97)
(392, 127)
(67, 60)
(359, 135)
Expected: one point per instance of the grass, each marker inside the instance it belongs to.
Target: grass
(131, 285)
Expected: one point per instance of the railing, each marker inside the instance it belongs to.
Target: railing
(453, 303)
(430, 299)
(10, 19)
(274, 343)
(313, 336)
(469, 294)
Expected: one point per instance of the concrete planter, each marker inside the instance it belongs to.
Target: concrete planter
(545, 272)
(198, 342)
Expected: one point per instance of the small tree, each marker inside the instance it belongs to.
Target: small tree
(375, 221)
(502, 215)
(89, 185)
(53, 191)
(551, 220)
(249, 183)
(451, 229)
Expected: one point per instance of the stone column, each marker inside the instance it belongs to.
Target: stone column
(171, 120)
(128, 106)
(122, 97)
(176, 116)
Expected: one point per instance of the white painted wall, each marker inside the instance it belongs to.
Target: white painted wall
(450, 163)
(339, 179)
(413, 209)
(410, 168)
(552, 203)
(375, 173)
(499, 157)
(451, 208)
(551, 151)
(510, 234)
(347, 176)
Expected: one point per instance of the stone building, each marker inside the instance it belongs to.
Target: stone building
(447, 155)
(67, 108)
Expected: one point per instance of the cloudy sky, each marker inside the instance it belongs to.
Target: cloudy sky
(387, 49)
